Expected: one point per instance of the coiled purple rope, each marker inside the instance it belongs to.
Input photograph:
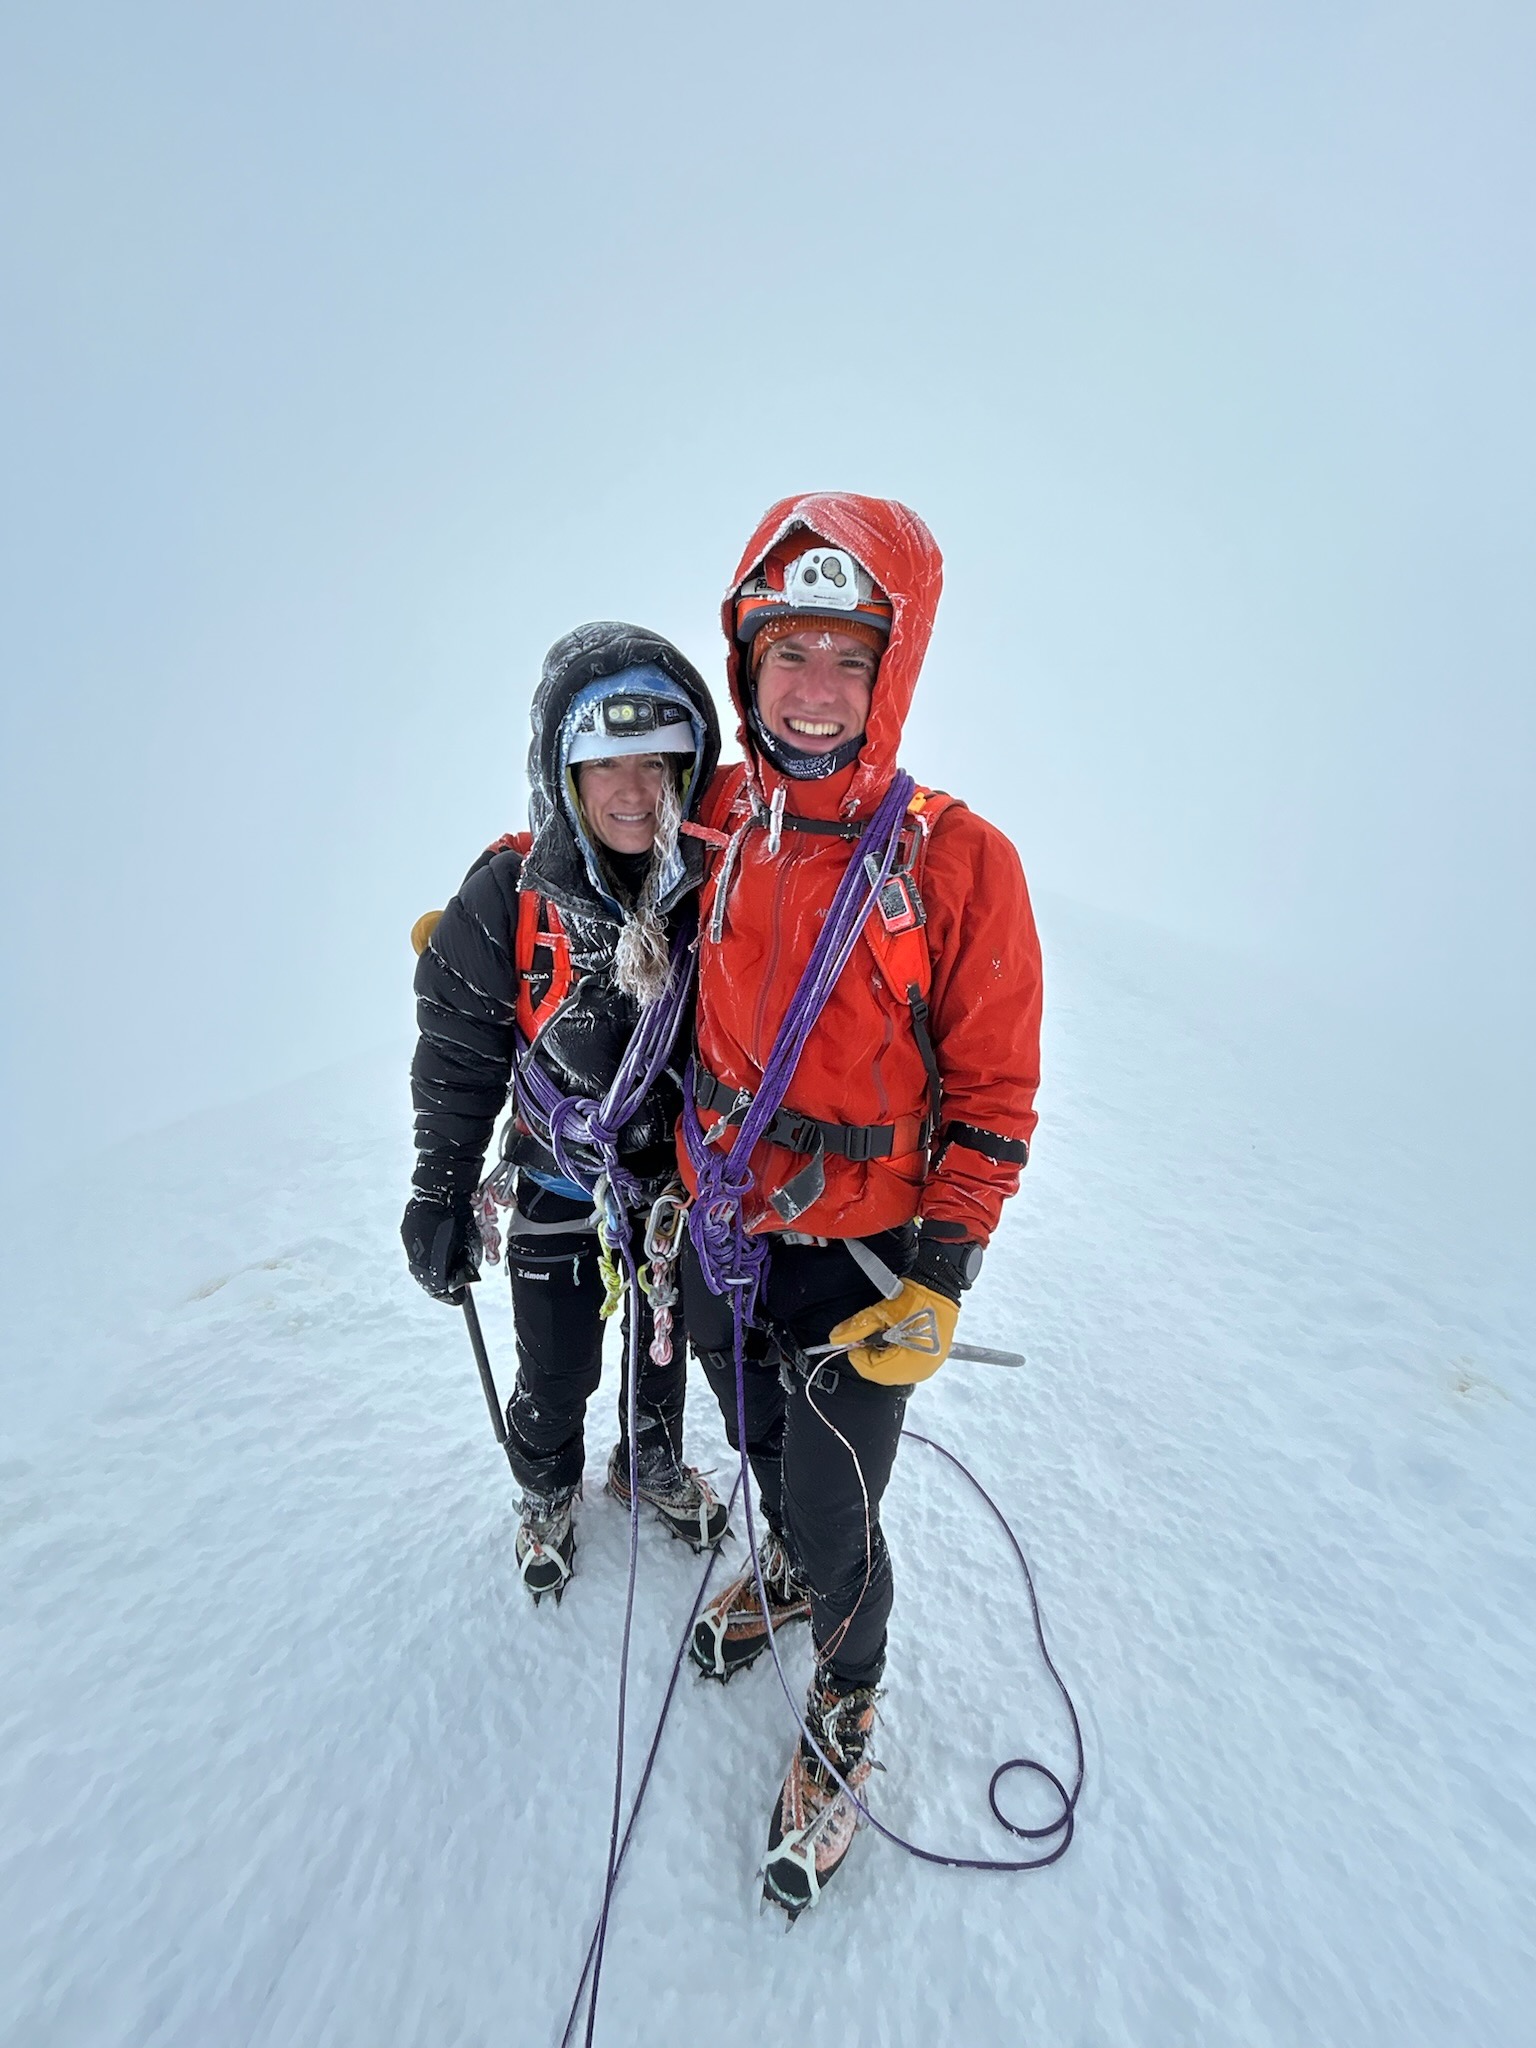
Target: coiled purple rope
(732, 1258)
(1063, 1825)
(562, 1121)
(1065, 1822)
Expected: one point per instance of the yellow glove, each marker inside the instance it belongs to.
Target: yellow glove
(929, 1319)
(424, 927)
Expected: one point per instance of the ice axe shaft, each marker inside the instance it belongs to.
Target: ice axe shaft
(983, 1354)
(970, 1354)
(482, 1360)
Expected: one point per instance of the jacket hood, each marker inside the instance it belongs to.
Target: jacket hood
(897, 549)
(562, 864)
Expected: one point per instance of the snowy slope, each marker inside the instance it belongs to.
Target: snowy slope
(289, 1759)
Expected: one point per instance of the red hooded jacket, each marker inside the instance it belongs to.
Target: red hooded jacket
(863, 1064)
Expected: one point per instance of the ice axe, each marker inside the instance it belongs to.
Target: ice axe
(974, 1354)
(918, 1333)
(483, 1363)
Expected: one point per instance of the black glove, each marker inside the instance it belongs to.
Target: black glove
(443, 1246)
(948, 1264)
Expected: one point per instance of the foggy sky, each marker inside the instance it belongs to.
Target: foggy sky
(352, 353)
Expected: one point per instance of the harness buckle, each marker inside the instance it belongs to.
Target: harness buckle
(801, 1135)
(733, 1118)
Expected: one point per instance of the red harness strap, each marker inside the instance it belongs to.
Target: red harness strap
(539, 929)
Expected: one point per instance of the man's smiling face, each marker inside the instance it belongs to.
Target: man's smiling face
(814, 687)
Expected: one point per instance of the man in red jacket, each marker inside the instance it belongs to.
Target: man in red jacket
(903, 1126)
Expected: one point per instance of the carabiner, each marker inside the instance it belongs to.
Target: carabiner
(665, 1226)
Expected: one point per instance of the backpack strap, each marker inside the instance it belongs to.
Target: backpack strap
(911, 970)
(539, 929)
(896, 935)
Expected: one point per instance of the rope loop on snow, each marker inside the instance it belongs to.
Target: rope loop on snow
(1063, 1825)
(1065, 1822)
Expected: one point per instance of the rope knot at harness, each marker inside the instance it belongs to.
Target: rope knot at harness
(731, 1256)
(580, 1132)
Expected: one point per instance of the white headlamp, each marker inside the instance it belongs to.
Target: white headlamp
(828, 578)
(632, 725)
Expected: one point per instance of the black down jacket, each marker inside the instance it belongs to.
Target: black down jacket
(466, 989)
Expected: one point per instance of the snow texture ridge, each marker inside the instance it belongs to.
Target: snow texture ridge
(289, 1758)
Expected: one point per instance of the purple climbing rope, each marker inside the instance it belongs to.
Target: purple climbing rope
(1063, 1825)
(1065, 1822)
(600, 1930)
(734, 1261)
(600, 1938)
(563, 1121)
(732, 1258)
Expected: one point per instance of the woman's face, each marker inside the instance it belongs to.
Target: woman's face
(620, 798)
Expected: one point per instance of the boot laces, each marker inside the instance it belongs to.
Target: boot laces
(663, 1479)
(842, 1723)
(546, 1518)
(778, 1573)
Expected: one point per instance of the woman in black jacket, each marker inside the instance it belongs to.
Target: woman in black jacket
(547, 959)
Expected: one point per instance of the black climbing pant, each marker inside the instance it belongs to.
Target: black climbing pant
(821, 1446)
(557, 1298)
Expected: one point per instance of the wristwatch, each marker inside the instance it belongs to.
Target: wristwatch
(946, 1264)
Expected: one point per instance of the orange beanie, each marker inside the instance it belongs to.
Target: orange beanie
(773, 630)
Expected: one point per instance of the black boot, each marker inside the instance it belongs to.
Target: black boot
(681, 1496)
(546, 1542)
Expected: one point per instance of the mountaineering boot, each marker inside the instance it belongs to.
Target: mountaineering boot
(682, 1497)
(814, 1821)
(546, 1542)
(732, 1632)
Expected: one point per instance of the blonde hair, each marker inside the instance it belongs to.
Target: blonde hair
(642, 957)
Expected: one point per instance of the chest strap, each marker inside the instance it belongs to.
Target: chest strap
(797, 1133)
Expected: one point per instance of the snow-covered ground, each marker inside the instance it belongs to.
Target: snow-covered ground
(289, 1758)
